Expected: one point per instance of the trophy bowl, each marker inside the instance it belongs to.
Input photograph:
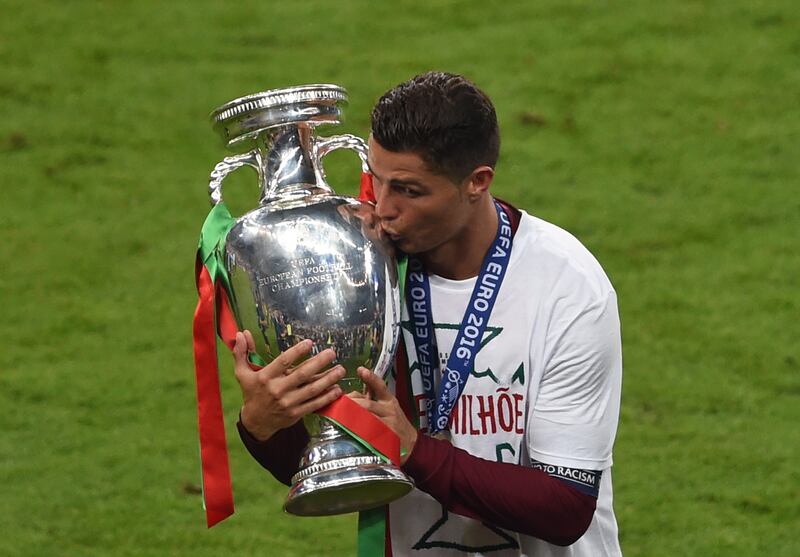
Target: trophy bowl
(307, 264)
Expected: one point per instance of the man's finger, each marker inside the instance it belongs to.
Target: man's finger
(244, 374)
(379, 409)
(243, 346)
(240, 348)
(251, 344)
(366, 403)
(314, 388)
(376, 385)
(306, 371)
(287, 358)
(321, 401)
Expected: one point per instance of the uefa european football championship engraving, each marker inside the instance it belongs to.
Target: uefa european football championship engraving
(305, 264)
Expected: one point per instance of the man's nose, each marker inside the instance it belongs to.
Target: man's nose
(385, 208)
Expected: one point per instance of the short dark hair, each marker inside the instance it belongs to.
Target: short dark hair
(443, 118)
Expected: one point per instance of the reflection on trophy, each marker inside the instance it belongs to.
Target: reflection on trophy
(303, 265)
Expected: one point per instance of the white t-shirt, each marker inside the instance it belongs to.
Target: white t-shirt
(546, 387)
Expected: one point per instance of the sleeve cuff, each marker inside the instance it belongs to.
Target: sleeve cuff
(426, 458)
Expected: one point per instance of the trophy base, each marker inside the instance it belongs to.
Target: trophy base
(347, 490)
(338, 475)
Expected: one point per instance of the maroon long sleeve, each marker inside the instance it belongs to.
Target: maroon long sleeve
(517, 498)
(280, 454)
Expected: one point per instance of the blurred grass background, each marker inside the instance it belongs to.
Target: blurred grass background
(666, 136)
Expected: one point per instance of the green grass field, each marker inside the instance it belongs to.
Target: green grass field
(666, 136)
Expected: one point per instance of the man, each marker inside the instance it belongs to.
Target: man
(518, 414)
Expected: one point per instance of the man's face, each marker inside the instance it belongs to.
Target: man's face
(418, 209)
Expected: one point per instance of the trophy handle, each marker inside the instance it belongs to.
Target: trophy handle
(228, 165)
(325, 145)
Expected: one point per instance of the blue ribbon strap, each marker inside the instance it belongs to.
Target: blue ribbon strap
(476, 318)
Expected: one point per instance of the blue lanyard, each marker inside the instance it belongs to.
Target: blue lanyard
(470, 333)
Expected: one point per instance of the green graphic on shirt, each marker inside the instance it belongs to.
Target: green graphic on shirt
(519, 375)
(502, 539)
(505, 447)
(488, 336)
(488, 373)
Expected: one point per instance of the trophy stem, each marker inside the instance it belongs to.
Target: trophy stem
(328, 431)
(289, 167)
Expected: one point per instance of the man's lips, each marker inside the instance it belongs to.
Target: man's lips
(391, 234)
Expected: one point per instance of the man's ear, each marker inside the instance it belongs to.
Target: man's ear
(478, 182)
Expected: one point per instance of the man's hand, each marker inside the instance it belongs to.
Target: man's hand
(278, 395)
(386, 407)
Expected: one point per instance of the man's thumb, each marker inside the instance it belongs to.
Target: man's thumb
(240, 348)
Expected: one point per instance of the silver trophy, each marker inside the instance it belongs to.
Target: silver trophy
(306, 264)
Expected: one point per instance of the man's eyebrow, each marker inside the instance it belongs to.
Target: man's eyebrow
(393, 181)
(401, 182)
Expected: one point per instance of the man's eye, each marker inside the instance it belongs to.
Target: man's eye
(409, 192)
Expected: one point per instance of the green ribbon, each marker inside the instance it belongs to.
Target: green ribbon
(360, 440)
(212, 243)
(402, 270)
(212, 247)
(372, 532)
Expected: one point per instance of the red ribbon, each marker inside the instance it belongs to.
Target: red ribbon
(367, 191)
(365, 425)
(217, 490)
